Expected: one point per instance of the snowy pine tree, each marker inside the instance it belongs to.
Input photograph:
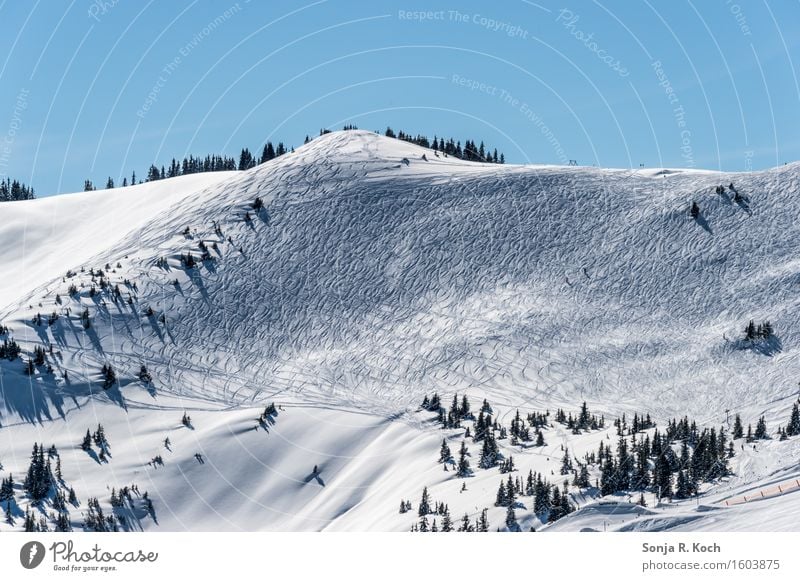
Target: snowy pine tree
(444, 452)
(511, 519)
(424, 503)
(738, 430)
(463, 463)
(793, 427)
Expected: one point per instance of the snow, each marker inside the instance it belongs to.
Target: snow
(43, 237)
(366, 283)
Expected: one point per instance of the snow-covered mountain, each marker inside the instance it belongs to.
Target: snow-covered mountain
(369, 274)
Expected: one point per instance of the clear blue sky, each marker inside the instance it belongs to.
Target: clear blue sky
(98, 89)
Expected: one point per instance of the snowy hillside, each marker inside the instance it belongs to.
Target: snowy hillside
(353, 277)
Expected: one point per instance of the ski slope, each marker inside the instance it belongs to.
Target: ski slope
(44, 235)
(378, 272)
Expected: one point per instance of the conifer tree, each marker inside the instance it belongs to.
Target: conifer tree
(424, 503)
(463, 463)
(682, 486)
(465, 525)
(624, 466)
(511, 491)
(511, 519)
(9, 515)
(30, 522)
(39, 478)
(483, 522)
(444, 452)
(7, 488)
(662, 476)
(566, 463)
(464, 410)
(738, 430)
(447, 523)
(489, 451)
(608, 477)
(583, 477)
(541, 496)
(761, 429)
(793, 427)
(86, 444)
(502, 497)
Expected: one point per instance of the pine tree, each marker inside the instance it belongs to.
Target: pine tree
(608, 477)
(566, 505)
(7, 488)
(465, 525)
(86, 444)
(489, 451)
(444, 452)
(793, 427)
(511, 519)
(511, 491)
(555, 504)
(750, 331)
(502, 496)
(662, 476)
(566, 463)
(761, 429)
(738, 430)
(109, 376)
(424, 503)
(63, 524)
(624, 466)
(269, 152)
(99, 437)
(463, 463)
(246, 160)
(483, 522)
(541, 496)
(682, 486)
(9, 515)
(583, 477)
(39, 478)
(464, 411)
(30, 522)
(447, 523)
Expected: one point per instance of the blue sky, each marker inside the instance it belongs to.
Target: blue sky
(92, 89)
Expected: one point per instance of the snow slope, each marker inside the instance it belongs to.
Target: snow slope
(374, 276)
(41, 236)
